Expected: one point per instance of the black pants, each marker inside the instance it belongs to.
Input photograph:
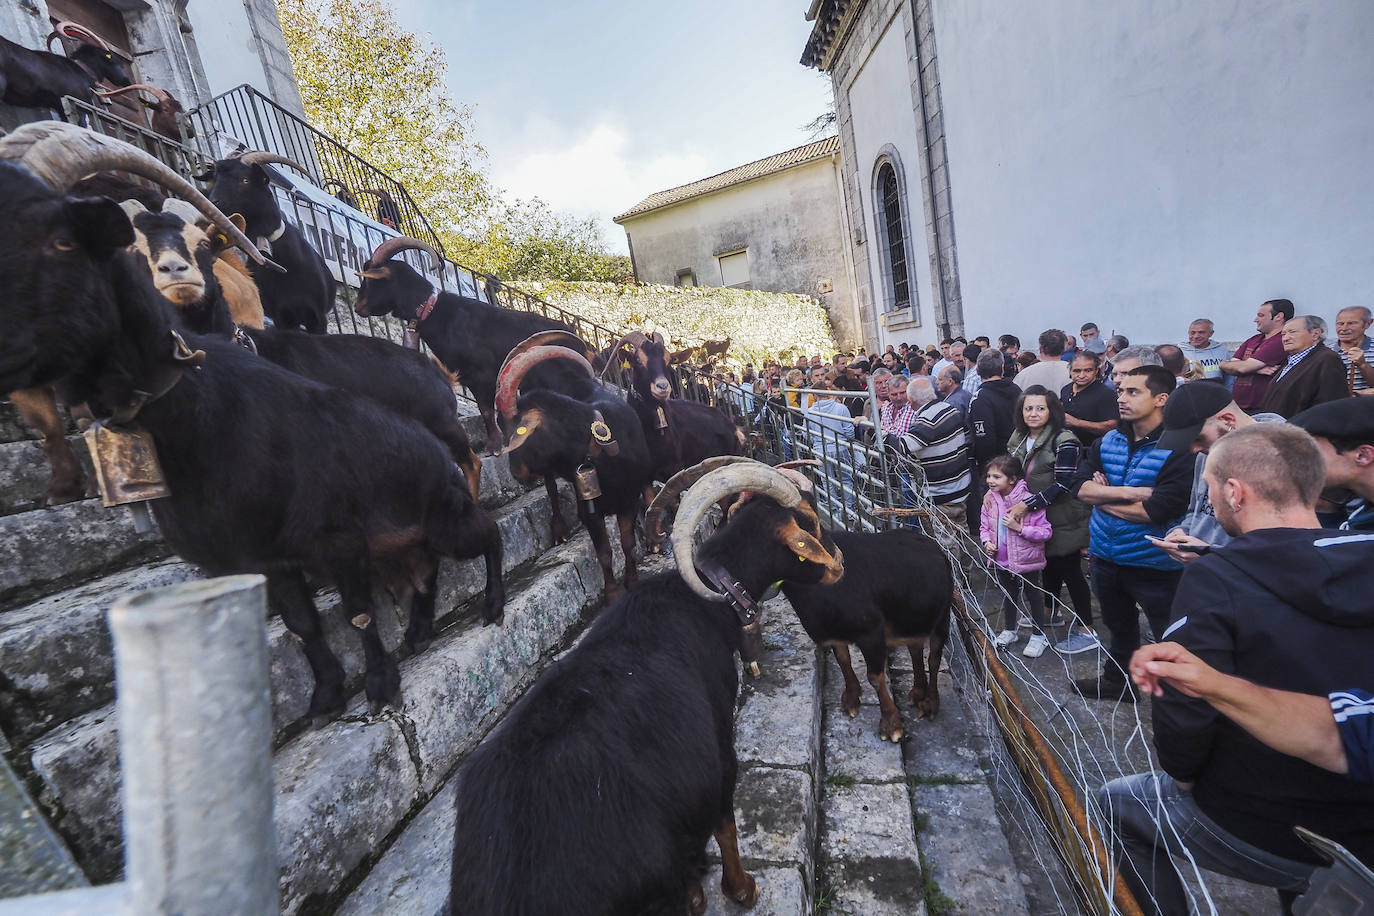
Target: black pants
(1020, 591)
(1120, 589)
(1068, 570)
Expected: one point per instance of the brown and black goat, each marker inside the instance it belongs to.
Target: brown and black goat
(181, 247)
(267, 472)
(599, 790)
(897, 592)
(586, 435)
(470, 337)
(166, 115)
(302, 295)
(40, 79)
(680, 433)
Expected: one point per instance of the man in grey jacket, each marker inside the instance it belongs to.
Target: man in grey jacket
(1205, 355)
(1195, 418)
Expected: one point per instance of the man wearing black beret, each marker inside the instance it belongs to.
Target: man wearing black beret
(1344, 430)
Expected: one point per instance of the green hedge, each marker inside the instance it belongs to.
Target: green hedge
(760, 325)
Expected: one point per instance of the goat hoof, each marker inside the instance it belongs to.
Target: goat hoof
(494, 621)
(746, 895)
(930, 707)
(321, 719)
(696, 901)
(418, 645)
(64, 493)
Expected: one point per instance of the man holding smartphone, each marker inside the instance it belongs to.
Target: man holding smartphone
(1195, 418)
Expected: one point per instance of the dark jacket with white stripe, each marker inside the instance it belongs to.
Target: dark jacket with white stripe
(1288, 608)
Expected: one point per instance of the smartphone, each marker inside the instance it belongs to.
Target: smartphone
(1198, 549)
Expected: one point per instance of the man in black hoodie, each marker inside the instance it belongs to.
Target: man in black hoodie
(1285, 605)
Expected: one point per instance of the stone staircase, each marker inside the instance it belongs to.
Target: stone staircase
(831, 819)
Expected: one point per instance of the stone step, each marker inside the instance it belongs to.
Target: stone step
(32, 858)
(945, 814)
(44, 550)
(342, 789)
(777, 738)
(56, 652)
(868, 859)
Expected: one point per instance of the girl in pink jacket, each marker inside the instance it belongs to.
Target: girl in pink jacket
(1017, 549)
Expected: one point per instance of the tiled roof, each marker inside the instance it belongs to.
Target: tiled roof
(738, 175)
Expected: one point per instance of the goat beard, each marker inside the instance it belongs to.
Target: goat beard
(183, 294)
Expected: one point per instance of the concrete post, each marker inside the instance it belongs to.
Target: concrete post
(195, 741)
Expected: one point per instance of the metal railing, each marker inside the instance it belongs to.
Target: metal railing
(244, 116)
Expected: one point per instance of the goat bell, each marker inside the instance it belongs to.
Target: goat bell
(588, 485)
(127, 471)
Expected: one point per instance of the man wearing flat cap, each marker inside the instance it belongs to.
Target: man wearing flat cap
(1344, 431)
(1196, 417)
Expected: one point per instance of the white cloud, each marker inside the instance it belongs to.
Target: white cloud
(599, 172)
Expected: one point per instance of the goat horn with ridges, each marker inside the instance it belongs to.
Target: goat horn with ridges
(393, 246)
(668, 497)
(259, 157)
(547, 339)
(160, 94)
(68, 29)
(61, 154)
(706, 492)
(613, 361)
(508, 382)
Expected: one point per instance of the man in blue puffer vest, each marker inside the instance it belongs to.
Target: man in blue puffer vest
(1138, 491)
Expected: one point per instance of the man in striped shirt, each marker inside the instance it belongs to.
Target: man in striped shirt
(936, 440)
(1356, 349)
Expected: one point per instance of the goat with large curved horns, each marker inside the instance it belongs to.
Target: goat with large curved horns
(394, 246)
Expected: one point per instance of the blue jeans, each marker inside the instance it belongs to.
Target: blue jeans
(1154, 818)
(1119, 590)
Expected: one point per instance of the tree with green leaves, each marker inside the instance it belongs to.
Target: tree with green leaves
(380, 91)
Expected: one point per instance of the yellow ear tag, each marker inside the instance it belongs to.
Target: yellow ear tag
(801, 543)
(624, 364)
(521, 430)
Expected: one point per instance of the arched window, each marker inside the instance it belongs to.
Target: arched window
(894, 236)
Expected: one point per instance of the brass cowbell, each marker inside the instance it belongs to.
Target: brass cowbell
(127, 471)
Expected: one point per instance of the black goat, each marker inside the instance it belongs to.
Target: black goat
(40, 79)
(561, 435)
(680, 433)
(388, 212)
(897, 591)
(599, 790)
(184, 264)
(470, 337)
(268, 472)
(302, 296)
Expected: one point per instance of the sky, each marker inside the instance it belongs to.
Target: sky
(592, 106)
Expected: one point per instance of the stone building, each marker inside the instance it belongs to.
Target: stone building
(1016, 166)
(775, 225)
(195, 50)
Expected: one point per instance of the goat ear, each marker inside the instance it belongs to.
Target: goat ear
(100, 226)
(239, 222)
(804, 545)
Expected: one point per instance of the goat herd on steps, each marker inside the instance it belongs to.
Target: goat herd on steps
(338, 459)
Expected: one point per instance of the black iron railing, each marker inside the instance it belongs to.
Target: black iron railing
(245, 117)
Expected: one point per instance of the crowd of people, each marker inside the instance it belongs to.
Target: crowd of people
(1227, 496)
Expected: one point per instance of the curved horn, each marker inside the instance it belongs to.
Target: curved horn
(258, 157)
(514, 372)
(376, 192)
(390, 247)
(669, 497)
(68, 29)
(160, 94)
(710, 489)
(658, 338)
(547, 339)
(187, 211)
(613, 361)
(61, 154)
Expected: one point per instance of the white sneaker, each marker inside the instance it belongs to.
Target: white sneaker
(1035, 646)
(1006, 638)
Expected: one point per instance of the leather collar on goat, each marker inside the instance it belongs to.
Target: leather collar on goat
(162, 380)
(746, 609)
(411, 338)
(602, 441)
(426, 307)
